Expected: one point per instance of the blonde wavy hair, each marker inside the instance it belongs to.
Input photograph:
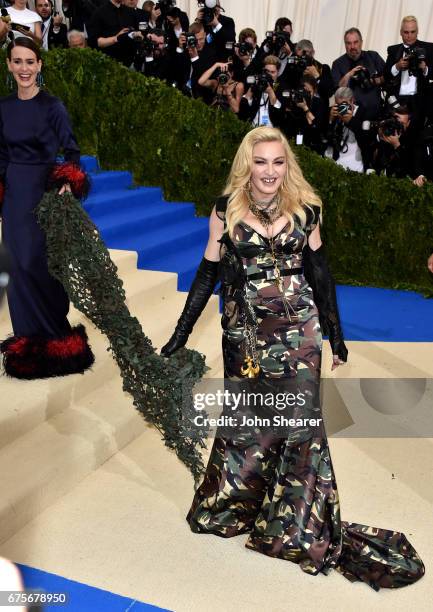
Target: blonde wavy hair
(295, 192)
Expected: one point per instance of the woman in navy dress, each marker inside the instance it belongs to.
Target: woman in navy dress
(34, 126)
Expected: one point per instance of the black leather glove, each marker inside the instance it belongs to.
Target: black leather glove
(320, 279)
(198, 296)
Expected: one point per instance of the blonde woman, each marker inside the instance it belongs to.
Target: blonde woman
(278, 292)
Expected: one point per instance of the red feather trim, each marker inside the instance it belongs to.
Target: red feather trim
(68, 172)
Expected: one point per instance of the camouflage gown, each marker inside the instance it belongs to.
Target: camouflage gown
(283, 494)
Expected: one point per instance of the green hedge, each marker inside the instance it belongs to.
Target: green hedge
(378, 231)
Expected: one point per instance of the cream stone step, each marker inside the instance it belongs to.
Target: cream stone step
(44, 464)
(25, 404)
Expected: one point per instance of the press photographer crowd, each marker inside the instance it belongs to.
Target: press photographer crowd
(366, 113)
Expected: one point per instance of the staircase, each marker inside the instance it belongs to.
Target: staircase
(138, 219)
(56, 432)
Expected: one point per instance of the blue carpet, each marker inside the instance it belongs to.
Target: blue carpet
(80, 597)
(168, 237)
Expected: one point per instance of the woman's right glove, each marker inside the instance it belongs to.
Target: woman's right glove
(198, 296)
(320, 279)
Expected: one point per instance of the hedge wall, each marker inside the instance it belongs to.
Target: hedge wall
(378, 231)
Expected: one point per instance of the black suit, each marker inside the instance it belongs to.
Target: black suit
(229, 27)
(57, 39)
(419, 103)
(190, 71)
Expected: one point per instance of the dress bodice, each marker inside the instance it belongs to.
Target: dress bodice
(33, 131)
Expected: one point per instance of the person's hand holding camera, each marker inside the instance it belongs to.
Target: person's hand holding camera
(123, 33)
(420, 180)
(286, 50)
(352, 72)
(312, 71)
(333, 113)
(392, 139)
(303, 106)
(271, 93)
(347, 115)
(402, 64)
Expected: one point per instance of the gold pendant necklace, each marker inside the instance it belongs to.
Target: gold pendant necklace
(267, 216)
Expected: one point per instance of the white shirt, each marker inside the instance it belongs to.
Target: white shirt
(351, 159)
(408, 83)
(46, 28)
(25, 17)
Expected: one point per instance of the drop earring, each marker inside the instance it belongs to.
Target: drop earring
(10, 81)
(40, 79)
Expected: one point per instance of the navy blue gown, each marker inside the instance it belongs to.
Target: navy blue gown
(32, 132)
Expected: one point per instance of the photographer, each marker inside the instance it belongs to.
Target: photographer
(247, 57)
(409, 69)
(194, 55)
(303, 63)
(279, 43)
(153, 58)
(25, 22)
(216, 34)
(77, 39)
(80, 12)
(54, 32)
(346, 139)
(399, 151)
(305, 115)
(260, 105)
(176, 23)
(227, 91)
(113, 29)
(154, 17)
(362, 71)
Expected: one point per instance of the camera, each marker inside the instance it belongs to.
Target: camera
(388, 127)
(296, 96)
(245, 48)
(415, 56)
(300, 61)
(191, 40)
(223, 77)
(165, 5)
(145, 46)
(260, 82)
(208, 11)
(143, 27)
(343, 108)
(362, 78)
(276, 41)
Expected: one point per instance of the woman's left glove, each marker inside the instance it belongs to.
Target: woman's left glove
(320, 279)
(198, 296)
(69, 173)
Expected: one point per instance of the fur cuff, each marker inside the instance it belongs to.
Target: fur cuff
(68, 172)
(31, 357)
